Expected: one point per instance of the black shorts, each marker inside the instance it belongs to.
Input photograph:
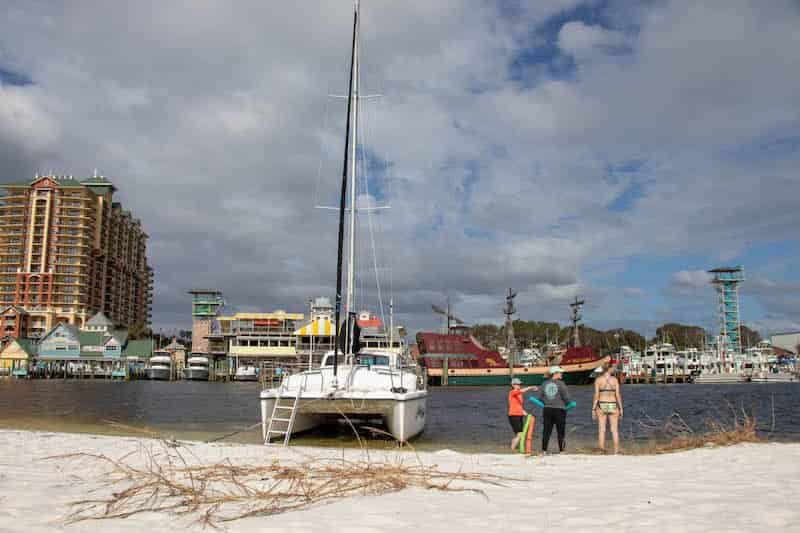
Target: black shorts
(516, 421)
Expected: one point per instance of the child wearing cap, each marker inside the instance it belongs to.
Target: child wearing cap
(516, 413)
(555, 401)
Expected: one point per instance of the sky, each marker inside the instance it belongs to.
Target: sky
(610, 150)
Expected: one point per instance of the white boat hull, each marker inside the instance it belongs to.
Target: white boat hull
(719, 379)
(403, 415)
(768, 377)
(158, 373)
(195, 374)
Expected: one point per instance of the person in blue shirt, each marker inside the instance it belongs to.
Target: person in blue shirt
(554, 399)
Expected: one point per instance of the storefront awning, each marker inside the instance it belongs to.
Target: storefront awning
(317, 328)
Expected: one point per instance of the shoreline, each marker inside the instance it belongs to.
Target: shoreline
(741, 487)
(251, 436)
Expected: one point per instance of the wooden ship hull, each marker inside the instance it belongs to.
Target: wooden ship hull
(458, 358)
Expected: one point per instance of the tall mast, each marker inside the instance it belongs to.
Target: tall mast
(351, 263)
(576, 318)
(511, 342)
(342, 200)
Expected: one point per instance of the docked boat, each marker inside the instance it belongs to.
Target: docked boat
(196, 368)
(367, 383)
(246, 373)
(159, 367)
(458, 358)
(719, 378)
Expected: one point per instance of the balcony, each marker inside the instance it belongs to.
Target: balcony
(74, 216)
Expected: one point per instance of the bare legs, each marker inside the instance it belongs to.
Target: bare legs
(613, 422)
(515, 441)
(601, 430)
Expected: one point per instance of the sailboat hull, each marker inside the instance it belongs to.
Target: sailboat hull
(403, 415)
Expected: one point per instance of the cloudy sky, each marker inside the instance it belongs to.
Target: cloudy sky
(613, 150)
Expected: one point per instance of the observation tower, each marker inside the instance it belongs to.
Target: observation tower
(727, 280)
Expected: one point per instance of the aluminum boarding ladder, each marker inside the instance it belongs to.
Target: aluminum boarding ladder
(280, 418)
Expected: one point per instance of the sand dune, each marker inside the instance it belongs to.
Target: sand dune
(747, 487)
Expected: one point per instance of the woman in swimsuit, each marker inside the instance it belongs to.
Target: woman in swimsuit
(607, 406)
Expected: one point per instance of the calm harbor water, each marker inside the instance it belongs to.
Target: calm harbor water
(459, 418)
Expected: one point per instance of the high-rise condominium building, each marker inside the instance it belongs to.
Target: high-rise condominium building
(68, 251)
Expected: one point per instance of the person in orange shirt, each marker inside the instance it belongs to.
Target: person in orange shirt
(516, 413)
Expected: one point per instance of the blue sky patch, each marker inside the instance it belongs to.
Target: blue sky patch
(13, 77)
(544, 56)
(627, 198)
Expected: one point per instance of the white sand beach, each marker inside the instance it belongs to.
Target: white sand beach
(747, 487)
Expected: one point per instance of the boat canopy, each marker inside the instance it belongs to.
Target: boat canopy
(322, 327)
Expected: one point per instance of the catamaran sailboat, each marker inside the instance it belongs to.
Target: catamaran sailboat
(353, 383)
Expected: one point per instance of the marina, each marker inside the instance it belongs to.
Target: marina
(366, 265)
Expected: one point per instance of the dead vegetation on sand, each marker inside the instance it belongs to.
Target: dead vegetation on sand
(158, 478)
(736, 427)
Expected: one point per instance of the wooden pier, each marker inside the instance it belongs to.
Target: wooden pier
(80, 368)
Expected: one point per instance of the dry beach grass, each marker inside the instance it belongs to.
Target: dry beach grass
(162, 477)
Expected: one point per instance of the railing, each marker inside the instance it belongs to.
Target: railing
(272, 373)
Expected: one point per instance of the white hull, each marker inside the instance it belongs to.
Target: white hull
(403, 414)
(395, 396)
(195, 374)
(719, 378)
(158, 373)
(767, 377)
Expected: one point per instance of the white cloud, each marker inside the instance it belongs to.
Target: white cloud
(691, 279)
(211, 120)
(25, 122)
(583, 41)
(634, 292)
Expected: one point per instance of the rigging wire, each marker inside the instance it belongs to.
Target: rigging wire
(370, 225)
(321, 153)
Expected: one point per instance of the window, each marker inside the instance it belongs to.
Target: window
(373, 360)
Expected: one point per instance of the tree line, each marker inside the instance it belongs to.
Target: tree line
(529, 333)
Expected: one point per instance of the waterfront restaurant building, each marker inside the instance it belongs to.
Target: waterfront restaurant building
(251, 338)
(67, 252)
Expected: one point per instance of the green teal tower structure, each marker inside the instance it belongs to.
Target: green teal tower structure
(205, 308)
(726, 280)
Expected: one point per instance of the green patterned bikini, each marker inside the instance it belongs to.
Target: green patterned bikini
(608, 408)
